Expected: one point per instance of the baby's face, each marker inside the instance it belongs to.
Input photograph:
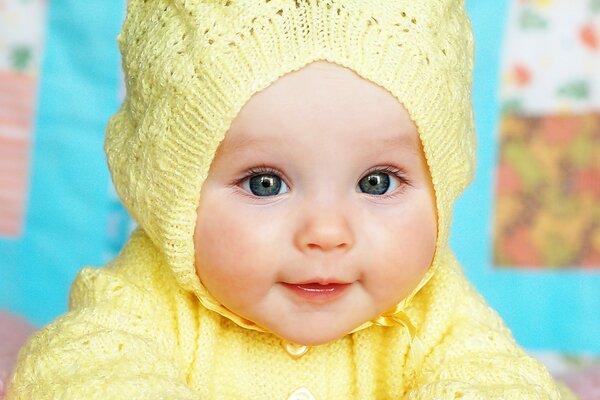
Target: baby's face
(318, 212)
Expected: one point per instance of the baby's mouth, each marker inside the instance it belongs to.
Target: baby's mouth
(315, 292)
(319, 287)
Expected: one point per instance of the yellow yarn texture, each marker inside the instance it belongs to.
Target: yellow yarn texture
(143, 327)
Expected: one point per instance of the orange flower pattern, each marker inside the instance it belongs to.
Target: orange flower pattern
(548, 192)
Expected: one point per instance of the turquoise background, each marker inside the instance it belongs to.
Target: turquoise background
(545, 310)
(67, 215)
(73, 219)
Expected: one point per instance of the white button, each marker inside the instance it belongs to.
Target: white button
(295, 350)
(301, 394)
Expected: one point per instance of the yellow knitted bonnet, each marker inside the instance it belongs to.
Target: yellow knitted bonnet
(190, 66)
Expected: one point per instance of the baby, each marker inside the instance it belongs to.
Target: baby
(292, 166)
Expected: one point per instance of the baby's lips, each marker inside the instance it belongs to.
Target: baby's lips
(317, 293)
(322, 281)
(320, 287)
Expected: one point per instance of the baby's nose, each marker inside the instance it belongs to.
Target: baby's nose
(324, 229)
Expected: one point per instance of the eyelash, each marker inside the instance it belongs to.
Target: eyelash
(258, 170)
(395, 172)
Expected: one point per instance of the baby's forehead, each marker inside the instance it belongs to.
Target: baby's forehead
(325, 99)
(323, 90)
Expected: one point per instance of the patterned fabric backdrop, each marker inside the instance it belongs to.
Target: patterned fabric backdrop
(22, 28)
(548, 187)
(59, 83)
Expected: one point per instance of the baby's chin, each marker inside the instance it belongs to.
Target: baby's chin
(311, 334)
(312, 339)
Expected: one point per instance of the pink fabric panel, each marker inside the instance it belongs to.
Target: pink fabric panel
(14, 331)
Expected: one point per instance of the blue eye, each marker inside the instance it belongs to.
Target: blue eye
(265, 185)
(375, 183)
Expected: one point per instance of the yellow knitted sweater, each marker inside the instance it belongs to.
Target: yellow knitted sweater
(132, 333)
(144, 327)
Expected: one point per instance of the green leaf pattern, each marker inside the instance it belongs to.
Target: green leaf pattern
(22, 28)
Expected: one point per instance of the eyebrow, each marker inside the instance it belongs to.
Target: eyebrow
(402, 141)
(243, 141)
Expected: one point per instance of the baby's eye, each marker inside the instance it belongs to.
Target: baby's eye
(264, 185)
(377, 183)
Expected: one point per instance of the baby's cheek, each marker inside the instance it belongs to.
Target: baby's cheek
(227, 244)
(219, 240)
(406, 246)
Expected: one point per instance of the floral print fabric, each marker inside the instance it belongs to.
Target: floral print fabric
(548, 175)
(21, 32)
